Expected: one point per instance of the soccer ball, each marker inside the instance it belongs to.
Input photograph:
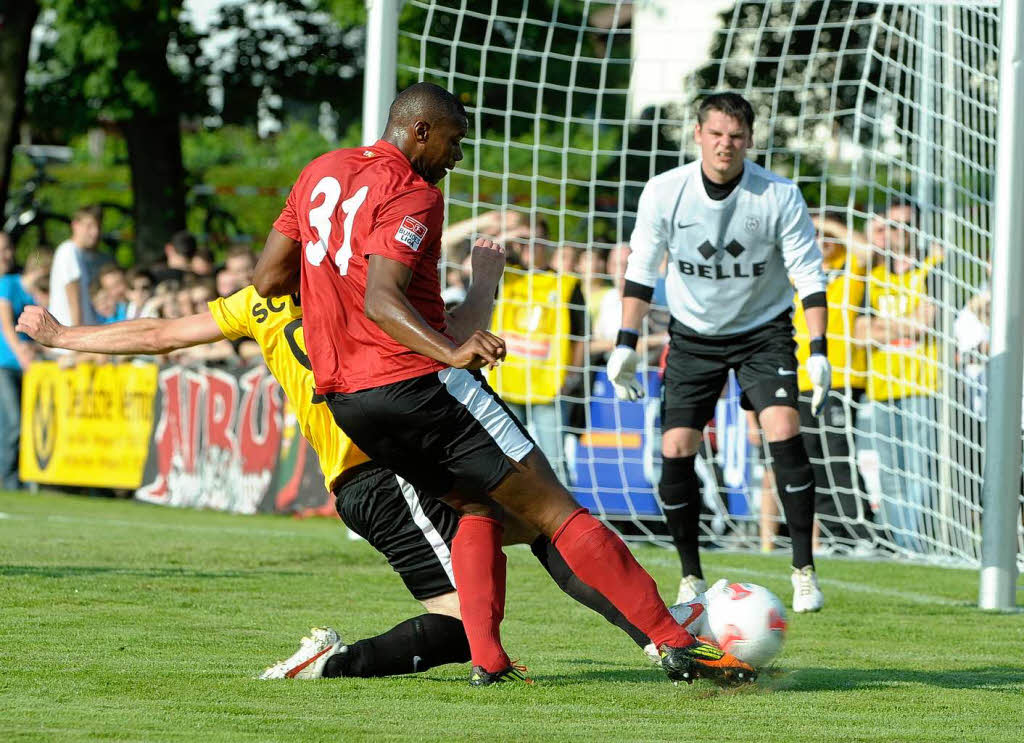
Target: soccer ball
(748, 621)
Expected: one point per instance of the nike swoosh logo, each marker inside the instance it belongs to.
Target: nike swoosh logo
(791, 489)
(784, 373)
(696, 611)
(295, 671)
(682, 225)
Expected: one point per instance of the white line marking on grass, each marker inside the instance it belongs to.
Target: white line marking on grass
(911, 596)
(180, 527)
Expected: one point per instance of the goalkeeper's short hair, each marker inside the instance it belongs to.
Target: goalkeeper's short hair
(730, 104)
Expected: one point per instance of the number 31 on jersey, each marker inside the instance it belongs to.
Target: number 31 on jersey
(320, 221)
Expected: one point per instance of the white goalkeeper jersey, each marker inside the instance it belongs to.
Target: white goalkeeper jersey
(732, 264)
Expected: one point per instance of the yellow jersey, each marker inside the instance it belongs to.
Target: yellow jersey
(533, 315)
(276, 326)
(847, 282)
(905, 367)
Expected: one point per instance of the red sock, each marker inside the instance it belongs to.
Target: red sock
(479, 567)
(602, 561)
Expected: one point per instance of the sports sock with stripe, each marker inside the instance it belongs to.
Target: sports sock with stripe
(556, 566)
(479, 567)
(794, 480)
(603, 561)
(414, 645)
(679, 491)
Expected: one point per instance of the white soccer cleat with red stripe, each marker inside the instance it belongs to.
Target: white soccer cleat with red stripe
(309, 660)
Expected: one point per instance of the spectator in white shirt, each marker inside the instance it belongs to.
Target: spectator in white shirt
(70, 275)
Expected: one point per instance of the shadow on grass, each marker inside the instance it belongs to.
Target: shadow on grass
(75, 571)
(993, 678)
(998, 678)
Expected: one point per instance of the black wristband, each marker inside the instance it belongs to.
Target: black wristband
(627, 338)
(819, 345)
(638, 291)
(818, 299)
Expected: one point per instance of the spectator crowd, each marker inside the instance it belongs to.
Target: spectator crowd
(559, 309)
(80, 285)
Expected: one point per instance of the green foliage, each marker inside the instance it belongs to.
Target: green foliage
(292, 55)
(786, 57)
(103, 60)
(228, 158)
(125, 621)
(107, 60)
(536, 170)
(534, 127)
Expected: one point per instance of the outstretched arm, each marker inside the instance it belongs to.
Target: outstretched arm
(279, 268)
(146, 336)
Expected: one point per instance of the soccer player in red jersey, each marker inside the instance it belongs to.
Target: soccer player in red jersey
(361, 234)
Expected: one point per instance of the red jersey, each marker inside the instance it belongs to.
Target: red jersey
(345, 206)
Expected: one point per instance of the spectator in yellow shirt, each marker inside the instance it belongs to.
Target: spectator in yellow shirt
(842, 512)
(541, 315)
(900, 419)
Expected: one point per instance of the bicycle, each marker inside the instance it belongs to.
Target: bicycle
(28, 211)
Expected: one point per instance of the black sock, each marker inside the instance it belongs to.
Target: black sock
(591, 598)
(414, 645)
(679, 491)
(794, 480)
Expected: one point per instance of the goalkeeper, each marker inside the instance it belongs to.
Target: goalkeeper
(413, 533)
(738, 239)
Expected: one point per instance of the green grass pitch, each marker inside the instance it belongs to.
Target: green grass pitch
(123, 621)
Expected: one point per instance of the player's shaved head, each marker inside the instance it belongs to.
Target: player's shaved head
(427, 123)
(423, 101)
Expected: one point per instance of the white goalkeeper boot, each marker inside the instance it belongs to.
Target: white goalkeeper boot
(806, 594)
(309, 660)
(689, 587)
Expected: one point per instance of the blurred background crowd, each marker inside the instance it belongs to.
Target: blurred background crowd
(559, 311)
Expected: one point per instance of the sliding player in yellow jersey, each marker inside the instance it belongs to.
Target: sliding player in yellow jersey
(413, 533)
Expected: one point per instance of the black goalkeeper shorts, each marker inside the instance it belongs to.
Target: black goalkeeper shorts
(697, 369)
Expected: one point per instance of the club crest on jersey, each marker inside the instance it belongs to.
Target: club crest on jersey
(411, 232)
(752, 224)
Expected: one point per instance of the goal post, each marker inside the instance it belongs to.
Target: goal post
(380, 67)
(1002, 514)
(867, 106)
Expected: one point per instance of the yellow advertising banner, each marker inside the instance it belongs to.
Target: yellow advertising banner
(87, 425)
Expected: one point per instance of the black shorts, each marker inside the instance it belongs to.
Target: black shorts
(698, 367)
(435, 430)
(414, 533)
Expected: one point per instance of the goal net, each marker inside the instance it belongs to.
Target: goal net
(882, 112)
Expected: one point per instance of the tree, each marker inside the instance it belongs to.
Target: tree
(526, 109)
(140, 66)
(110, 61)
(16, 24)
(282, 59)
(786, 57)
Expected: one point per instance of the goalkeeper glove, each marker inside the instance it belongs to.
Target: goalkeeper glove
(622, 373)
(820, 372)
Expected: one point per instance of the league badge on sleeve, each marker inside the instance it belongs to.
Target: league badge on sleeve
(411, 232)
